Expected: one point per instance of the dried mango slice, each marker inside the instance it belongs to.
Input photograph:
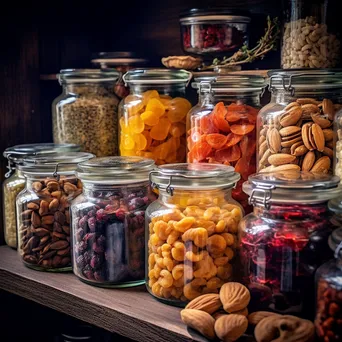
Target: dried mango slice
(199, 151)
(154, 105)
(135, 123)
(242, 129)
(150, 118)
(161, 130)
(233, 139)
(216, 140)
(229, 154)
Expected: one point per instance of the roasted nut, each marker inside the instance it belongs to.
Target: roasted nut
(208, 303)
(273, 140)
(281, 158)
(234, 296)
(255, 317)
(230, 327)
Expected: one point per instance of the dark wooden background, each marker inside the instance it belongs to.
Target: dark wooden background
(40, 38)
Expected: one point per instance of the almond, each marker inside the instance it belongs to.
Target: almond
(318, 137)
(32, 206)
(52, 185)
(281, 158)
(35, 220)
(309, 108)
(292, 136)
(262, 148)
(328, 152)
(255, 317)
(291, 105)
(328, 108)
(291, 116)
(311, 139)
(234, 296)
(262, 139)
(308, 161)
(330, 144)
(286, 131)
(209, 303)
(243, 312)
(44, 208)
(231, 327)
(54, 204)
(300, 151)
(41, 232)
(286, 167)
(273, 140)
(304, 101)
(200, 321)
(264, 160)
(305, 136)
(289, 143)
(48, 219)
(69, 188)
(294, 146)
(37, 186)
(328, 135)
(61, 244)
(322, 165)
(319, 120)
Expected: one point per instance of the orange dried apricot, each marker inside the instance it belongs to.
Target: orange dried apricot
(229, 154)
(150, 118)
(161, 130)
(199, 151)
(177, 129)
(242, 129)
(218, 114)
(233, 139)
(207, 126)
(135, 123)
(154, 105)
(216, 140)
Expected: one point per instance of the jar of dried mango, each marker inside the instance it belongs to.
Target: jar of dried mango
(152, 117)
(192, 231)
(222, 129)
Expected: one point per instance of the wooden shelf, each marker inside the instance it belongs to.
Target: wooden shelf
(132, 313)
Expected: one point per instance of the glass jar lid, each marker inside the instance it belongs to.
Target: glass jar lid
(299, 79)
(188, 176)
(157, 76)
(53, 163)
(335, 242)
(87, 75)
(115, 170)
(117, 58)
(229, 82)
(296, 187)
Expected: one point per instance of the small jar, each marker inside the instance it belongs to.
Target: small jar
(86, 112)
(43, 217)
(108, 221)
(328, 319)
(309, 39)
(284, 240)
(295, 129)
(153, 117)
(15, 181)
(192, 231)
(222, 129)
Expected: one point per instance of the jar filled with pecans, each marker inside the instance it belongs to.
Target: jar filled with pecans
(284, 240)
(86, 112)
(43, 217)
(328, 319)
(222, 129)
(191, 231)
(295, 130)
(15, 181)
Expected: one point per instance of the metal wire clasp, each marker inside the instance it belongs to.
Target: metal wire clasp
(338, 250)
(9, 167)
(288, 87)
(264, 198)
(55, 173)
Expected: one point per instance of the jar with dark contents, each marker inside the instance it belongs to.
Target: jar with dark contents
(108, 221)
(284, 240)
(328, 319)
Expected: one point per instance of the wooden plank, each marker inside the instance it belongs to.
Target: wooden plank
(132, 313)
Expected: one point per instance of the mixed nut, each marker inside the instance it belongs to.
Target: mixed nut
(44, 222)
(299, 138)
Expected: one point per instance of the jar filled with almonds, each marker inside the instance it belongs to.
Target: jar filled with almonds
(295, 130)
(222, 129)
(192, 231)
(285, 239)
(43, 217)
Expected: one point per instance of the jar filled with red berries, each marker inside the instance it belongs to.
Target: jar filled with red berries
(285, 239)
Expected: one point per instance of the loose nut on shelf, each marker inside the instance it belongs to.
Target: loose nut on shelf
(231, 327)
(209, 303)
(234, 296)
(255, 317)
(200, 321)
(243, 312)
(182, 62)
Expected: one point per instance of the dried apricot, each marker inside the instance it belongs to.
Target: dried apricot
(219, 114)
(177, 129)
(242, 129)
(229, 154)
(161, 130)
(207, 126)
(135, 123)
(216, 140)
(154, 105)
(233, 116)
(233, 139)
(150, 118)
(199, 152)
(247, 146)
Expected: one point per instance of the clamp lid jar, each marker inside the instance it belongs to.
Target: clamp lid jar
(108, 221)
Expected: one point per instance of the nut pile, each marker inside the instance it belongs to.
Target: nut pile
(328, 320)
(191, 249)
(300, 138)
(307, 44)
(12, 187)
(109, 236)
(44, 222)
(220, 315)
(89, 120)
(338, 147)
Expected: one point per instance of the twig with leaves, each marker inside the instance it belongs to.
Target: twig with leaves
(244, 55)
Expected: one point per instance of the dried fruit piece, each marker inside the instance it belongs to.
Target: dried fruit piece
(161, 130)
(136, 124)
(154, 105)
(150, 118)
(218, 114)
(242, 129)
(199, 151)
(230, 154)
(207, 126)
(233, 139)
(230, 327)
(216, 140)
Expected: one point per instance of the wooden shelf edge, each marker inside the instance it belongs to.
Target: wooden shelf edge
(132, 313)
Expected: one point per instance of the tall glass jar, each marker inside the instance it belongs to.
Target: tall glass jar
(309, 39)
(43, 217)
(338, 141)
(222, 129)
(86, 112)
(295, 129)
(15, 181)
(284, 240)
(152, 118)
(191, 231)
(328, 319)
(108, 221)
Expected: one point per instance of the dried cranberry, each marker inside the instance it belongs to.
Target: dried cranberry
(101, 215)
(95, 261)
(79, 234)
(82, 223)
(88, 273)
(92, 224)
(97, 248)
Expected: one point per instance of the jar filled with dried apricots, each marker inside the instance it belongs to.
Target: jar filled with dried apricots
(192, 231)
(296, 130)
(222, 130)
(152, 117)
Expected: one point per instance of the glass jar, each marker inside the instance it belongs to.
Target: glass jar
(295, 130)
(308, 39)
(108, 221)
(222, 129)
(153, 116)
(328, 319)
(15, 181)
(43, 217)
(338, 141)
(86, 112)
(284, 240)
(191, 231)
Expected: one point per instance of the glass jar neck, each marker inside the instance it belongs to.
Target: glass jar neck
(98, 88)
(293, 211)
(93, 190)
(249, 98)
(173, 90)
